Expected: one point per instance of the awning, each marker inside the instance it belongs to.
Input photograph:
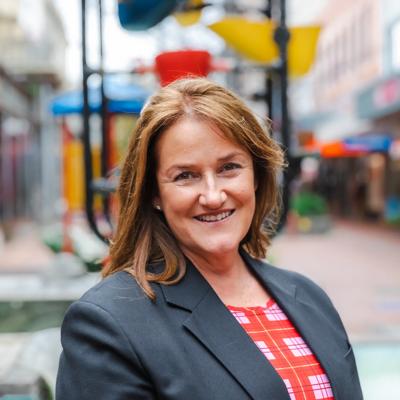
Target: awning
(339, 149)
(122, 99)
(369, 143)
(351, 147)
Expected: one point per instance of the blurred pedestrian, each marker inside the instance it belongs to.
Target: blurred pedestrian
(187, 309)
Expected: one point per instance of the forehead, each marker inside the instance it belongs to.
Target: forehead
(194, 138)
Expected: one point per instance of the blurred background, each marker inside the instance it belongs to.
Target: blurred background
(325, 74)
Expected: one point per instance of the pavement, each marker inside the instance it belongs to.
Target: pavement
(358, 265)
(25, 252)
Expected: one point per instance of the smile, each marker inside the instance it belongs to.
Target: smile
(215, 217)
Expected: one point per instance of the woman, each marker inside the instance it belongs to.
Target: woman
(187, 310)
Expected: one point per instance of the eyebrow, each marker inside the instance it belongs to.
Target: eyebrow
(229, 156)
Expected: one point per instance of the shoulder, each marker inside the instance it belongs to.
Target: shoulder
(285, 284)
(119, 296)
(292, 282)
(110, 311)
(113, 288)
(278, 275)
(294, 278)
(100, 357)
(310, 291)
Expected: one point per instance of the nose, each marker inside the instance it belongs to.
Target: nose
(212, 195)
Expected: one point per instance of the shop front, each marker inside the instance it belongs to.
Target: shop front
(356, 176)
(380, 104)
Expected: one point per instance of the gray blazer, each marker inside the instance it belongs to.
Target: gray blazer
(119, 345)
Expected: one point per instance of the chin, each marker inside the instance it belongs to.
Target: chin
(218, 249)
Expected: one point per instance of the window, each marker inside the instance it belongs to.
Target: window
(395, 45)
(365, 34)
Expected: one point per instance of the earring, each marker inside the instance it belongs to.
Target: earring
(157, 207)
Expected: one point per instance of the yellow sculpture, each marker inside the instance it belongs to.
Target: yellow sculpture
(254, 39)
(192, 16)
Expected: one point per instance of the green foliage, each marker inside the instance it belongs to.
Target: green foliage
(308, 204)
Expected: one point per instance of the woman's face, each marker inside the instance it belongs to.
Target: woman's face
(206, 188)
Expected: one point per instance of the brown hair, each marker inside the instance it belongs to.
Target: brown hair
(143, 236)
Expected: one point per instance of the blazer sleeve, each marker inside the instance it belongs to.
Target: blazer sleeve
(98, 362)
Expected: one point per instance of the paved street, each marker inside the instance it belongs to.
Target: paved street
(25, 253)
(359, 266)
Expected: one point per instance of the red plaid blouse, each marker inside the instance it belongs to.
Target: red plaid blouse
(284, 348)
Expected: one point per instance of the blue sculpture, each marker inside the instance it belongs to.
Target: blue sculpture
(137, 15)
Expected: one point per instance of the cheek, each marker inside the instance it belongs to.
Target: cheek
(246, 190)
(176, 200)
(248, 198)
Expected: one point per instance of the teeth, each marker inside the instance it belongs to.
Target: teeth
(214, 218)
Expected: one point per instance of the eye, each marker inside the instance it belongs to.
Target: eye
(230, 166)
(185, 175)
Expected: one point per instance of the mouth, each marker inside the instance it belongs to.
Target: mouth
(215, 217)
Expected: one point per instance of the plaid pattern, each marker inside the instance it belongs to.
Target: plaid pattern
(321, 386)
(297, 346)
(289, 389)
(241, 317)
(285, 349)
(264, 349)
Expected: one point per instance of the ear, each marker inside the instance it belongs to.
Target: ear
(255, 175)
(157, 203)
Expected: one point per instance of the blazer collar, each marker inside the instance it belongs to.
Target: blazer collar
(190, 290)
(193, 287)
(308, 317)
(214, 326)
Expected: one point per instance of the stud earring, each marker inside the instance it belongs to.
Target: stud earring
(157, 207)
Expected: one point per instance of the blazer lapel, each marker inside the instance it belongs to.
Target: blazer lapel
(308, 319)
(317, 333)
(214, 326)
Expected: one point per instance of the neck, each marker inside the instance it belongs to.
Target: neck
(230, 278)
(223, 272)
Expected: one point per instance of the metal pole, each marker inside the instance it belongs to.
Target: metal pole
(282, 37)
(104, 116)
(268, 78)
(86, 72)
(103, 111)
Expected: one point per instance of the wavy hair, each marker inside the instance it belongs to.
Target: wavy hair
(142, 236)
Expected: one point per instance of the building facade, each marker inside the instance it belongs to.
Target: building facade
(350, 105)
(32, 60)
